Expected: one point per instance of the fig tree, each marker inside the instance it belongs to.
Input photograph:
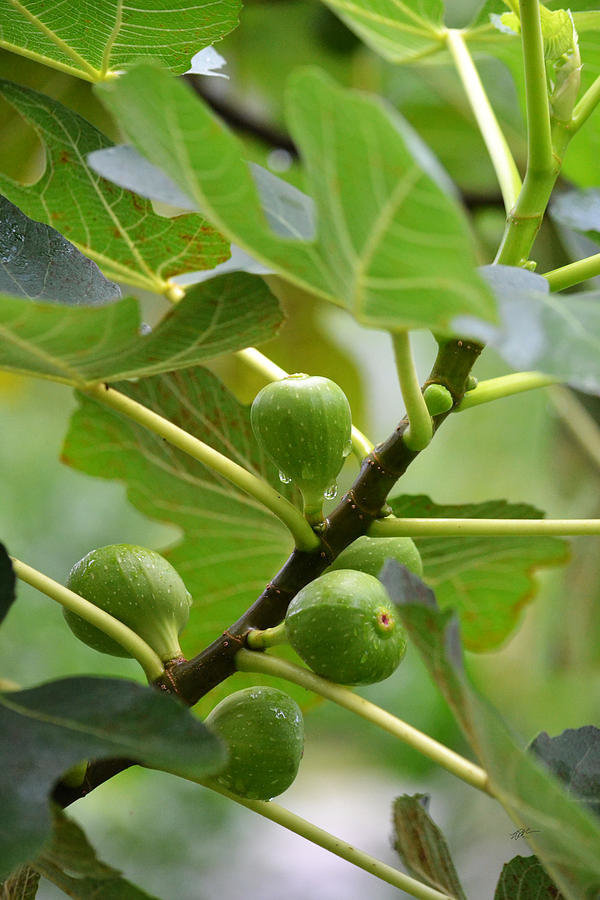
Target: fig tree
(138, 587)
(303, 424)
(367, 554)
(263, 730)
(345, 627)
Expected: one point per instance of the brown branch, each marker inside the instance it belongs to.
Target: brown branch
(357, 509)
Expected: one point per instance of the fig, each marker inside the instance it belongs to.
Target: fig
(438, 399)
(367, 554)
(263, 730)
(138, 587)
(345, 628)
(303, 424)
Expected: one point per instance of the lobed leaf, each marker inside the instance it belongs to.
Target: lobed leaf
(564, 835)
(487, 580)
(422, 846)
(95, 40)
(115, 228)
(380, 213)
(46, 730)
(81, 346)
(400, 30)
(37, 262)
(525, 878)
(558, 334)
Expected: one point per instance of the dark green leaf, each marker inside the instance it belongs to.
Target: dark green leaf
(525, 878)
(81, 346)
(7, 583)
(380, 215)
(70, 862)
(46, 730)
(37, 262)
(231, 545)
(115, 228)
(422, 846)
(401, 31)
(97, 46)
(558, 334)
(487, 580)
(21, 885)
(565, 836)
(574, 757)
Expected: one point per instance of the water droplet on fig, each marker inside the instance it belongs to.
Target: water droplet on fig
(284, 479)
(331, 492)
(347, 449)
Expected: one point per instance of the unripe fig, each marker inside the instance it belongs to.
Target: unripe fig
(438, 399)
(263, 730)
(138, 587)
(345, 627)
(303, 424)
(367, 554)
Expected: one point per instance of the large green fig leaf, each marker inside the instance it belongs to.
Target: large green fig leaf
(113, 227)
(95, 40)
(46, 730)
(391, 246)
(400, 30)
(487, 580)
(84, 345)
(564, 835)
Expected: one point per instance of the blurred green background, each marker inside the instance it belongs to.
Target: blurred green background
(177, 840)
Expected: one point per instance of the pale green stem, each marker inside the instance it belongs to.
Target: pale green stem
(577, 419)
(539, 138)
(505, 386)
(543, 156)
(248, 661)
(574, 273)
(420, 429)
(301, 531)
(322, 838)
(126, 637)
(396, 527)
(361, 445)
(270, 637)
(497, 146)
(586, 105)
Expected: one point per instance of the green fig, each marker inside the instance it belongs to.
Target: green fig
(303, 424)
(345, 627)
(367, 554)
(263, 730)
(138, 587)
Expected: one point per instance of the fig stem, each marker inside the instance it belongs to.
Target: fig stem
(573, 273)
(505, 386)
(287, 819)
(361, 445)
(248, 661)
(270, 637)
(393, 527)
(303, 535)
(121, 633)
(420, 428)
(495, 142)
